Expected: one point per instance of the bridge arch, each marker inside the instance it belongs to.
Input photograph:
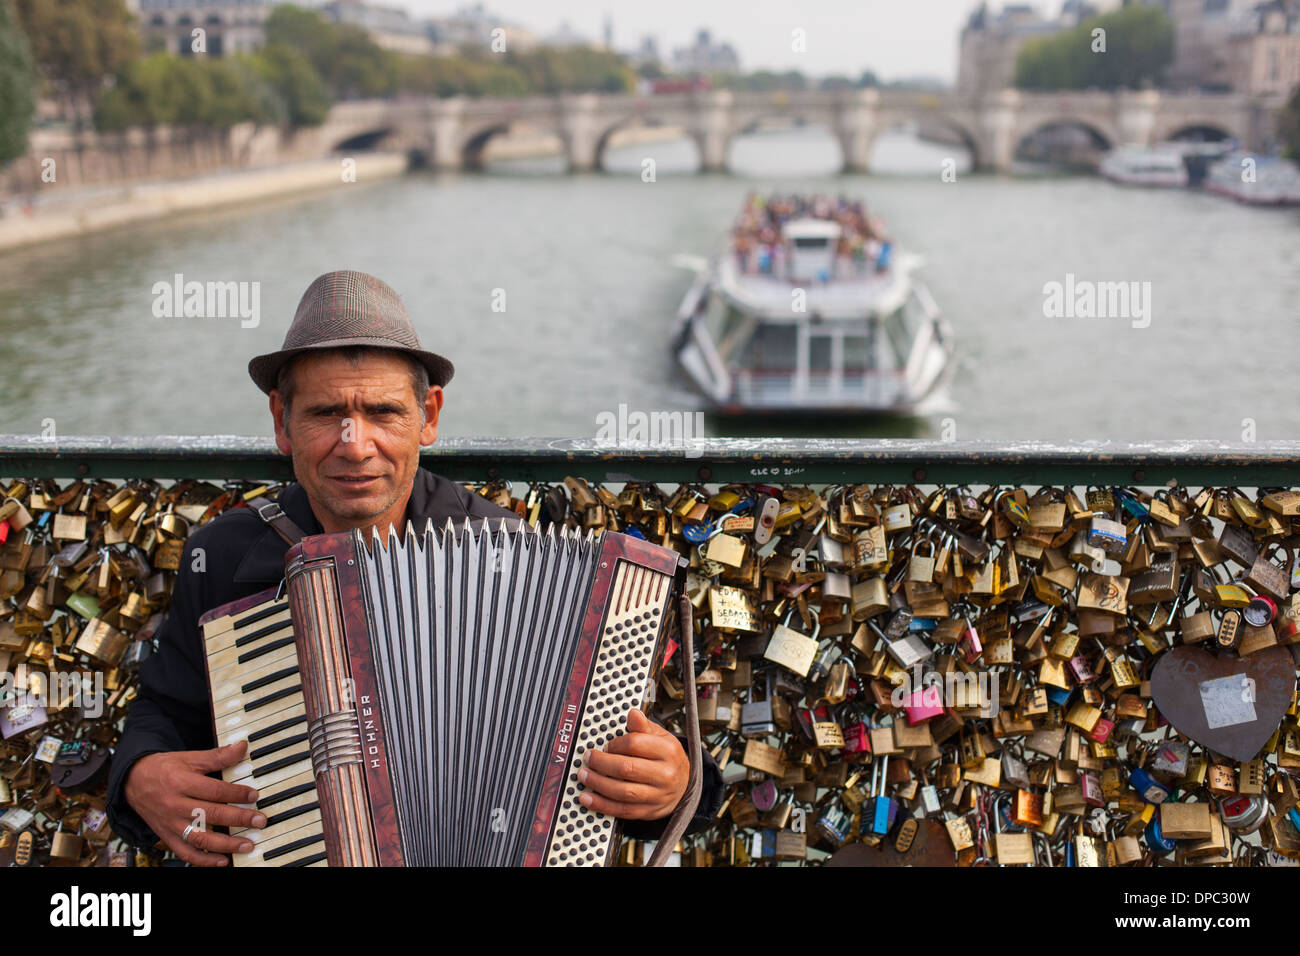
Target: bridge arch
(717, 152)
(893, 121)
(753, 122)
(1197, 130)
(364, 140)
(1101, 137)
(474, 143)
(638, 120)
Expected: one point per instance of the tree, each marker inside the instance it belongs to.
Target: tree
(158, 90)
(78, 46)
(188, 91)
(237, 93)
(305, 31)
(301, 95)
(17, 82)
(573, 70)
(358, 66)
(1126, 49)
(343, 55)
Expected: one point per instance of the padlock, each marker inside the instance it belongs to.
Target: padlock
(921, 565)
(970, 644)
(1230, 630)
(880, 809)
(1269, 575)
(834, 823)
(1013, 847)
(908, 650)
(896, 518)
(1108, 535)
(1014, 772)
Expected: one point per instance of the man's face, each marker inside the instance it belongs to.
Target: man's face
(354, 433)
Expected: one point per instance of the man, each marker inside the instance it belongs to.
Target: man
(353, 397)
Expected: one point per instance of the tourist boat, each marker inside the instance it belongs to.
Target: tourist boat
(1254, 179)
(1161, 165)
(799, 326)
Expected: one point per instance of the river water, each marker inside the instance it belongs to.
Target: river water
(585, 268)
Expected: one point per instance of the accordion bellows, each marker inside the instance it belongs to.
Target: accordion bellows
(453, 682)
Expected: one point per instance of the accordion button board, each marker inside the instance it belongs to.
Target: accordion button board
(580, 837)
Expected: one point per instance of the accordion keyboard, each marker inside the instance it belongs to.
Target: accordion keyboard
(257, 696)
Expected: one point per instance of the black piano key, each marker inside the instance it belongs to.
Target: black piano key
(278, 764)
(307, 860)
(276, 728)
(295, 845)
(256, 616)
(261, 752)
(260, 633)
(275, 818)
(272, 698)
(270, 678)
(283, 795)
(266, 648)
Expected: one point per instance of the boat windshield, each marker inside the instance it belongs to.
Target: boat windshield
(901, 327)
(771, 348)
(728, 327)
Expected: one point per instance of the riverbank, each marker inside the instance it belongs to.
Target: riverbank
(82, 212)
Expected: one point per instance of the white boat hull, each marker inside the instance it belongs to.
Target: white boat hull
(897, 392)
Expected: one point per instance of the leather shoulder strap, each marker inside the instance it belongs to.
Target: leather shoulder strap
(270, 512)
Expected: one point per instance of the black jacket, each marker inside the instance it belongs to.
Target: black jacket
(242, 556)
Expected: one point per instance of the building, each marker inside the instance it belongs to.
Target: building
(229, 26)
(565, 37)
(1242, 46)
(646, 55)
(1264, 54)
(392, 28)
(472, 26)
(990, 43)
(705, 56)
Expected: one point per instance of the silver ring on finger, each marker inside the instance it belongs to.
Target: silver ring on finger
(185, 834)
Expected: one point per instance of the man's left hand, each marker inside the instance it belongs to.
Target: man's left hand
(641, 775)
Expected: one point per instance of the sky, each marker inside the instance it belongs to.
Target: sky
(894, 38)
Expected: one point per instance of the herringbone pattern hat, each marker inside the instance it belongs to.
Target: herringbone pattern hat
(348, 308)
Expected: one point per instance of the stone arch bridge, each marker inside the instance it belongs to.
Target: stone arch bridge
(451, 133)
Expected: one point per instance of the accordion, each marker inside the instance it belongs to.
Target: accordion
(429, 700)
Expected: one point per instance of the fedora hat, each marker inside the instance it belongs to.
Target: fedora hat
(346, 308)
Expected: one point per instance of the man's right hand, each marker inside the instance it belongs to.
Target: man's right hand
(167, 788)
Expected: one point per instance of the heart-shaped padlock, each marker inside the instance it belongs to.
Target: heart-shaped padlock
(1228, 704)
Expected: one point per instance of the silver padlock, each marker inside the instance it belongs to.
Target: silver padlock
(756, 717)
(906, 651)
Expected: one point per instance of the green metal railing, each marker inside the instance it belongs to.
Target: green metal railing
(719, 460)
